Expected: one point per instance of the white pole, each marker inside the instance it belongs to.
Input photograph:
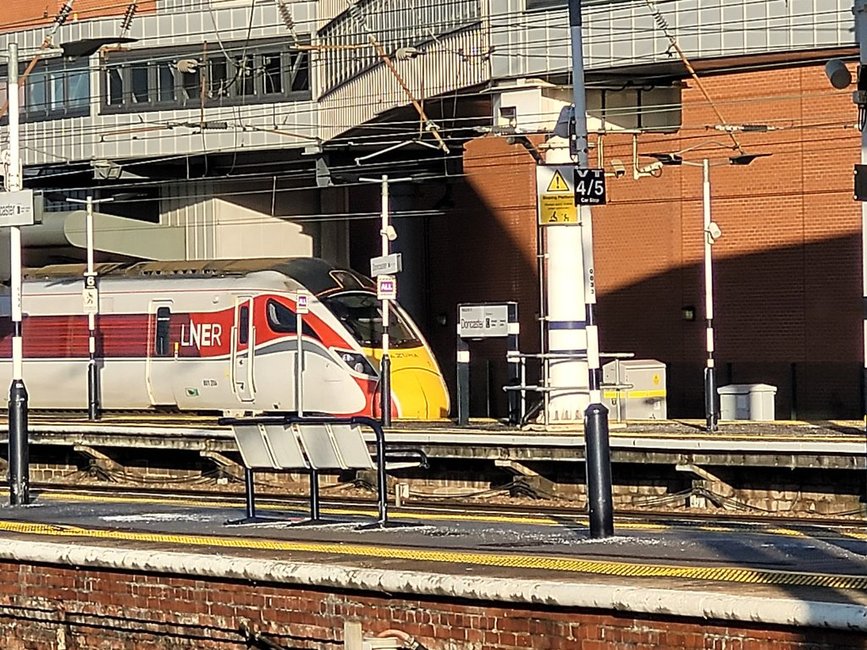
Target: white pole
(299, 359)
(90, 282)
(710, 369)
(19, 454)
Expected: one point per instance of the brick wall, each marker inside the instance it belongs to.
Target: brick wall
(26, 14)
(58, 608)
(787, 268)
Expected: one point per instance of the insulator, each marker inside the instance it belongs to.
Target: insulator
(63, 14)
(126, 23)
(286, 14)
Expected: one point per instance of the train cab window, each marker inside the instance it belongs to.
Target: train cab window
(360, 314)
(281, 319)
(162, 347)
(243, 324)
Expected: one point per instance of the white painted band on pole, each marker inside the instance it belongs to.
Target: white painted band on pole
(463, 356)
(513, 328)
(710, 339)
(17, 357)
(592, 346)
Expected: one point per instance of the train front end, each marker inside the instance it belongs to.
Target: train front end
(418, 389)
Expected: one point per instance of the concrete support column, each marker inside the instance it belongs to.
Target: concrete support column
(565, 322)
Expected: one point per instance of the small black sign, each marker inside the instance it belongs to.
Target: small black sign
(861, 182)
(589, 186)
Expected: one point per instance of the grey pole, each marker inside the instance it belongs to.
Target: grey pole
(585, 218)
(386, 233)
(90, 281)
(385, 362)
(19, 452)
(710, 397)
(596, 416)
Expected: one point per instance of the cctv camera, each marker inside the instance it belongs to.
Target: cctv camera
(713, 232)
(619, 168)
(390, 233)
(838, 74)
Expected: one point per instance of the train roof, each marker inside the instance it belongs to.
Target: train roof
(317, 275)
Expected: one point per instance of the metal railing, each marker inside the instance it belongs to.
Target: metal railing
(545, 390)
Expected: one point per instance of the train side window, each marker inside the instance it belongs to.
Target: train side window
(243, 324)
(162, 347)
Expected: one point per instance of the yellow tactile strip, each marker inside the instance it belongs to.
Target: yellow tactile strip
(550, 563)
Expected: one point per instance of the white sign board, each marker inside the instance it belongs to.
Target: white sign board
(90, 300)
(483, 321)
(16, 208)
(302, 303)
(386, 287)
(386, 265)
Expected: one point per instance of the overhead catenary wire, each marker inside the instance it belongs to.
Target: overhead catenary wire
(250, 113)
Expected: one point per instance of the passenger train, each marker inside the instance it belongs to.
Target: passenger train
(219, 336)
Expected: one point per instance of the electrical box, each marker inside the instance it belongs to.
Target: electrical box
(747, 402)
(635, 389)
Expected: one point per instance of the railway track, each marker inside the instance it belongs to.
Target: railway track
(460, 507)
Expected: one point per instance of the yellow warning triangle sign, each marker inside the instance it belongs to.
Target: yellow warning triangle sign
(558, 183)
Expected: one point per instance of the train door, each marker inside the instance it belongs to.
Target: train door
(159, 368)
(243, 349)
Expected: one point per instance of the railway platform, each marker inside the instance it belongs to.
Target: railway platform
(166, 573)
(795, 444)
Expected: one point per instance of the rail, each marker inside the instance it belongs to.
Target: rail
(308, 443)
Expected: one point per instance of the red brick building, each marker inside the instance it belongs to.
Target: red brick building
(787, 267)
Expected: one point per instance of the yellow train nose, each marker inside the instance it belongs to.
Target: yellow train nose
(420, 394)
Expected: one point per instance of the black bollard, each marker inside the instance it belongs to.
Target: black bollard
(598, 464)
(710, 400)
(92, 391)
(19, 451)
(385, 399)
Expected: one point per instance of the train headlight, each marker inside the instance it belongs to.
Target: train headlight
(357, 362)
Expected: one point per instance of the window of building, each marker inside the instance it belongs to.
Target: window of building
(54, 89)
(181, 77)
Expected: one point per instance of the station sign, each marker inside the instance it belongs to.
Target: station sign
(483, 321)
(302, 303)
(589, 186)
(16, 208)
(555, 193)
(386, 265)
(90, 300)
(386, 287)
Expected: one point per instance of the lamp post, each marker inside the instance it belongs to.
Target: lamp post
(90, 300)
(387, 235)
(710, 233)
(19, 453)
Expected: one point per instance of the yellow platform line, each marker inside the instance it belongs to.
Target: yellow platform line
(551, 521)
(560, 564)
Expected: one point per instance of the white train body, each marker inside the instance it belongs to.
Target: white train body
(220, 337)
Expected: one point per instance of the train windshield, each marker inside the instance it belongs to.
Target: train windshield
(360, 314)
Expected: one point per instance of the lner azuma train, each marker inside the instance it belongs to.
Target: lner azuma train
(219, 337)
